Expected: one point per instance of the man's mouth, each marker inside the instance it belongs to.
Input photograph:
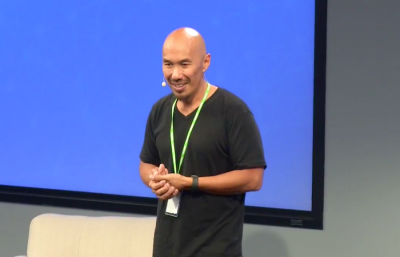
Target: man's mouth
(179, 86)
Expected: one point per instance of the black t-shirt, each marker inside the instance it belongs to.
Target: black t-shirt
(224, 138)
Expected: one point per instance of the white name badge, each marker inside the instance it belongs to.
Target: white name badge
(173, 206)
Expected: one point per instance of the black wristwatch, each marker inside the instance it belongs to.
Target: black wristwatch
(195, 184)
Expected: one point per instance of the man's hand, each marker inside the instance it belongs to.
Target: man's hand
(161, 188)
(175, 180)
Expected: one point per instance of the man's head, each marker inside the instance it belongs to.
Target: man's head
(185, 60)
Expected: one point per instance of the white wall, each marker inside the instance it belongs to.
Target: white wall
(362, 148)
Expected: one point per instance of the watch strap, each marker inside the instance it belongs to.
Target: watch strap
(195, 184)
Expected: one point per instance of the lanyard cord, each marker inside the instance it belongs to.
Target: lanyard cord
(189, 132)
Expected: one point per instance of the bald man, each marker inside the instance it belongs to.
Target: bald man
(202, 153)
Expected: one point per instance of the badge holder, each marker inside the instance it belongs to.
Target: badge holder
(173, 206)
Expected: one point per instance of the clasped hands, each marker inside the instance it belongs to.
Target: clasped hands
(165, 185)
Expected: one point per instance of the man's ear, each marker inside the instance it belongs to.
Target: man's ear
(206, 62)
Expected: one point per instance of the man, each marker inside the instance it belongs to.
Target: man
(201, 194)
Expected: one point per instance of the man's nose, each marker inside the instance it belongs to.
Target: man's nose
(176, 74)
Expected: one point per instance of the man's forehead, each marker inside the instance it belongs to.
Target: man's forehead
(177, 57)
(176, 50)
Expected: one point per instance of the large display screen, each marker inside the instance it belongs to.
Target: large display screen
(78, 80)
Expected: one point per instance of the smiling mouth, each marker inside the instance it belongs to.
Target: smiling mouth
(179, 86)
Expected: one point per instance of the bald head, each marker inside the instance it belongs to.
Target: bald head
(185, 39)
(185, 60)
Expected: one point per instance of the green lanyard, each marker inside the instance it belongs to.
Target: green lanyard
(188, 135)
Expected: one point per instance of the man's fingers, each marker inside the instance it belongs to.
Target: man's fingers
(156, 185)
(161, 168)
(158, 178)
(169, 194)
(154, 173)
(164, 189)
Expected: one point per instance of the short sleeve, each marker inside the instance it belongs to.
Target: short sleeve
(149, 153)
(245, 143)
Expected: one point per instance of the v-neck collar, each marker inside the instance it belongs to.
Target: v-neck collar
(190, 115)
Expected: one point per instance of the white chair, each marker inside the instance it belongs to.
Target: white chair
(55, 235)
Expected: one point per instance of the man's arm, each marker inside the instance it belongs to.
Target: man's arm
(233, 182)
(146, 170)
(246, 153)
(149, 157)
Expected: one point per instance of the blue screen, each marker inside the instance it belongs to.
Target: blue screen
(78, 80)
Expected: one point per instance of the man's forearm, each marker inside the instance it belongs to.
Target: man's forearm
(145, 170)
(234, 182)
